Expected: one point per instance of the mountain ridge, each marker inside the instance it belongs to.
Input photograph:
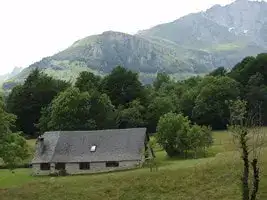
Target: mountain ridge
(192, 45)
(14, 72)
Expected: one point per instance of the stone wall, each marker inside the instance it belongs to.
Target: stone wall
(37, 171)
(74, 168)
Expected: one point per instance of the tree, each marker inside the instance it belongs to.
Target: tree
(191, 89)
(221, 71)
(26, 101)
(237, 72)
(249, 67)
(210, 105)
(158, 107)
(200, 138)
(45, 118)
(177, 136)
(123, 86)
(256, 93)
(132, 116)
(173, 91)
(13, 147)
(75, 110)
(87, 81)
(245, 126)
(187, 101)
(172, 132)
(162, 78)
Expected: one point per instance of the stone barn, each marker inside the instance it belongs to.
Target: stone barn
(81, 152)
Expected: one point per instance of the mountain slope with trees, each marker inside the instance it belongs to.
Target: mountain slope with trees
(121, 100)
(191, 45)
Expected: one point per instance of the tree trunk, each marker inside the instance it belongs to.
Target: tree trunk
(256, 179)
(245, 186)
(204, 150)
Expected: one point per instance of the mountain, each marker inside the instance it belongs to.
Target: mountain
(194, 44)
(14, 72)
(243, 18)
(4, 78)
(101, 53)
(241, 22)
(228, 32)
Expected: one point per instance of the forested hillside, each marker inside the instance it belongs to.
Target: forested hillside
(119, 100)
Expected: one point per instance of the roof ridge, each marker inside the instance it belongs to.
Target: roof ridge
(54, 150)
(103, 131)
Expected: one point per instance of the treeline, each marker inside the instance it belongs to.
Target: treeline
(119, 100)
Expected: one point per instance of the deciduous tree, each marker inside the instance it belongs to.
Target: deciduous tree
(177, 136)
(87, 81)
(13, 147)
(27, 100)
(123, 86)
(75, 110)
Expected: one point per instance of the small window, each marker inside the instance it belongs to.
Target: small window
(45, 166)
(112, 164)
(84, 166)
(60, 166)
(93, 148)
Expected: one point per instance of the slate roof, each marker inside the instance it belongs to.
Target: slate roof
(75, 146)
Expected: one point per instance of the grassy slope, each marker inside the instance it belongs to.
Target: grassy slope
(208, 178)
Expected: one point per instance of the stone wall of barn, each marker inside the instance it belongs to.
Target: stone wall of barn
(36, 169)
(73, 168)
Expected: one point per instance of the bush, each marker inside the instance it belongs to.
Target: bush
(16, 166)
(178, 137)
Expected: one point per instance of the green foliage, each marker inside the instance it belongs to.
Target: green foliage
(158, 107)
(187, 101)
(132, 116)
(45, 118)
(251, 73)
(221, 71)
(200, 138)
(178, 137)
(162, 78)
(210, 105)
(249, 67)
(75, 110)
(123, 86)
(255, 94)
(87, 81)
(13, 147)
(238, 112)
(202, 99)
(171, 134)
(27, 100)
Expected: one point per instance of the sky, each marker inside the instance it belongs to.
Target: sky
(33, 29)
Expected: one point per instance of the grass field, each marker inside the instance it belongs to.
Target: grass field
(227, 47)
(216, 177)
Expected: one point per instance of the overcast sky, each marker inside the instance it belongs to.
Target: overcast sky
(33, 29)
